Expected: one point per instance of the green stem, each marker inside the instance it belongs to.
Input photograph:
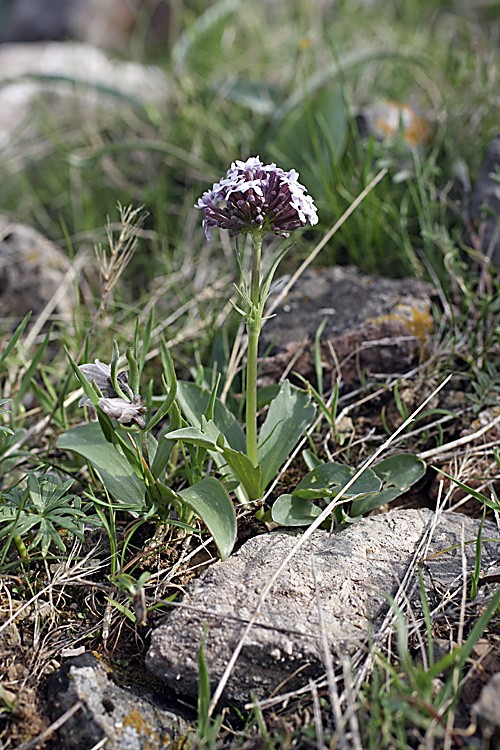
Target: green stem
(21, 547)
(253, 328)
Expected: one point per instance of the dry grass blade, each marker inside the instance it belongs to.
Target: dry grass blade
(447, 447)
(330, 674)
(305, 536)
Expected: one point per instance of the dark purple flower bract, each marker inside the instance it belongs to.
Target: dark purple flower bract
(257, 198)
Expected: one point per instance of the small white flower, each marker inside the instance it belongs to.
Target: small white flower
(123, 411)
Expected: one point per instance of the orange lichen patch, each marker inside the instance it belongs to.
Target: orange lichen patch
(135, 722)
(415, 316)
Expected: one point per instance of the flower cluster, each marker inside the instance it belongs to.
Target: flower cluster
(258, 198)
(126, 412)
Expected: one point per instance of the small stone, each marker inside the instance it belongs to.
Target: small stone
(32, 272)
(388, 121)
(129, 717)
(485, 204)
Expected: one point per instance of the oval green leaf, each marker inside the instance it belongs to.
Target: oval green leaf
(117, 475)
(328, 479)
(289, 510)
(401, 470)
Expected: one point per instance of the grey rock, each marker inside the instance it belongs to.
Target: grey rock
(355, 567)
(377, 324)
(485, 203)
(32, 270)
(31, 21)
(129, 717)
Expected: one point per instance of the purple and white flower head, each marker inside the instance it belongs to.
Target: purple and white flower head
(258, 198)
(100, 374)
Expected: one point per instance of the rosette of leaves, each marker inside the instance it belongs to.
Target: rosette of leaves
(34, 515)
(385, 482)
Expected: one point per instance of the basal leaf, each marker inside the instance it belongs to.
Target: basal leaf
(117, 475)
(397, 473)
(212, 503)
(289, 415)
(289, 510)
(248, 475)
(401, 470)
(328, 479)
(194, 401)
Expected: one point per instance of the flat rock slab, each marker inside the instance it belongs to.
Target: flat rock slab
(354, 568)
(130, 718)
(374, 324)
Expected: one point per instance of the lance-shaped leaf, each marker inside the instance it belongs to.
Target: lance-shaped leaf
(209, 437)
(211, 502)
(194, 401)
(117, 475)
(290, 413)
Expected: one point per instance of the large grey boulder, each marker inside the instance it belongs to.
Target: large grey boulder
(356, 568)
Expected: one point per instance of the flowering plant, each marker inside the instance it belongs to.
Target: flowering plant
(131, 461)
(253, 199)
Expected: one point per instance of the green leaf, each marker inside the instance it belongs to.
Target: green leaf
(258, 96)
(365, 504)
(313, 135)
(133, 372)
(117, 475)
(289, 415)
(194, 401)
(212, 503)
(397, 473)
(401, 470)
(243, 469)
(204, 438)
(311, 460)
(328, 479)
(14, 338)
(165, 446)
(289, 510)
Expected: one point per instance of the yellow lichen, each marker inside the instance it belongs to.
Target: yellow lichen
(418, 321)
(134, 720)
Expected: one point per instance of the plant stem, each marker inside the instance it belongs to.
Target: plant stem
(21, 547)
(254, 323)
